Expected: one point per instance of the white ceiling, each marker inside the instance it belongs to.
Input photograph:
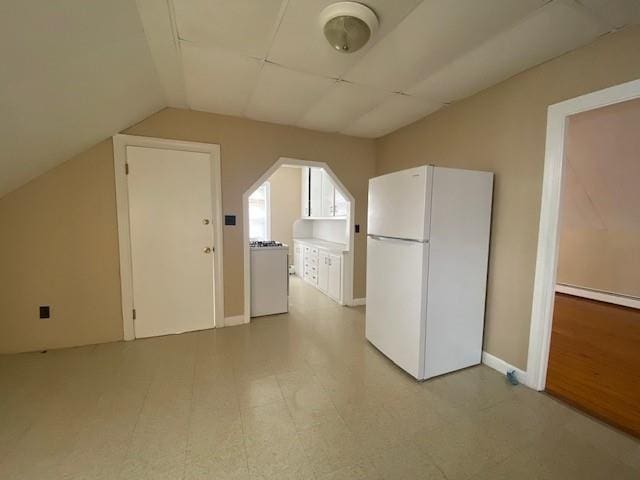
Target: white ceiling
(76, 72)
(268, 60)
(72, 73)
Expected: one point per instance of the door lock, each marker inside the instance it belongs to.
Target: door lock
(207, 249)
(205, 221)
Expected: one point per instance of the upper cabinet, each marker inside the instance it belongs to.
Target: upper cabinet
(320, 197)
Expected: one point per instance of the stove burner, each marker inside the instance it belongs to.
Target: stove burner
(264, 243)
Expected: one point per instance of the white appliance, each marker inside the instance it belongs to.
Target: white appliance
(269, 278)
(427, 252)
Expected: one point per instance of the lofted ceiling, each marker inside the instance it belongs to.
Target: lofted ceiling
(268, 59)
(75, 72)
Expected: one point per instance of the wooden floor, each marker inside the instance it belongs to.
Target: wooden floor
(594, 360)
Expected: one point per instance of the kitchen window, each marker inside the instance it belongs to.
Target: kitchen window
(260, 213)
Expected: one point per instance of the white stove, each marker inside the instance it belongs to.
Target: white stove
(267, 244)
(269, 278)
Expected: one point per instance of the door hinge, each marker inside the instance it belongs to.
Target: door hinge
(134, 313)
(126, 169)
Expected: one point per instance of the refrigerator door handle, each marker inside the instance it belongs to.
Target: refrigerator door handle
(382, 237)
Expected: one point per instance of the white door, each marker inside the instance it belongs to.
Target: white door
(297, 259)
(399, 203)
(305, 191)
(323, 271)
(170, 213)
(327, 195)
(396, 301)
(340, 205)
(335, 277)
(316, 192)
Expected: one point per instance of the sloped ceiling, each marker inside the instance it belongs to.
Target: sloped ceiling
(268, 60)
(603, 167)
(72, 72)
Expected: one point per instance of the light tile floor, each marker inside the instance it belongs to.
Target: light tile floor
(296, 396)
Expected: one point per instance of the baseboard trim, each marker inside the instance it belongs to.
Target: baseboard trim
(357, 302)
(233, 321)
(503, 367)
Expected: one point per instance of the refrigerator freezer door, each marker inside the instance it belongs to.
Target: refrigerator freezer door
(458, 253)
(399, 204)
(396, 300)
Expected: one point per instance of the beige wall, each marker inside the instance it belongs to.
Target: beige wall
(59, 237)
(502, 129)
(58, 242)
(286, 204)
(248, 149)
(58, 247)
(600, 226)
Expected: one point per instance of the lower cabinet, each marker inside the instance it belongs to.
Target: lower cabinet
(320, 268)
(335, 277)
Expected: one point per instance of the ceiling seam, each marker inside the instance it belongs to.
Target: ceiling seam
(383, 37)
(176, 40)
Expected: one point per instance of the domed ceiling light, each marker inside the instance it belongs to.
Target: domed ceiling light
(348, 26)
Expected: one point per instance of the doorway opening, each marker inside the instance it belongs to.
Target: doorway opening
(298, 236)
(168, 204)
(587, 246)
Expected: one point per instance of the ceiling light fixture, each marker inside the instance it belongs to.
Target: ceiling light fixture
(348, 26)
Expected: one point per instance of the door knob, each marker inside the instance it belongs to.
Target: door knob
(207, 250)
(205, 221)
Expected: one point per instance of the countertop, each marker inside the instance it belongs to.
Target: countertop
(331, 246)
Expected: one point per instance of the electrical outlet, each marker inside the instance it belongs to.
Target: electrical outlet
(45, 311)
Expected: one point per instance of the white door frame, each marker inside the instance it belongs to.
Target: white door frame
(120, 143)
(348, 272)
(547, 259)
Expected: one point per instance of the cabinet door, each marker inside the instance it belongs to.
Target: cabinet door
(305, 192)
(335, 277)
(298, 259)
(323, 271)
(328, 191)
(315, 187)
(340, 205)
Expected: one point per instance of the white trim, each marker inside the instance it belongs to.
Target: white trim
(347, 275)
(546, 262)
(616, 299)
(120, 143)
(503, 367)
(235, 320)
(357, 302)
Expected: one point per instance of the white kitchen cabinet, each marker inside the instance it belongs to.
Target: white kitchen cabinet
(334, 288)
(328, 195)
(315, 188)
(298, 259)
(320, 197)
(323, 271)
(320, 264)
(340, 205)
(305, 192)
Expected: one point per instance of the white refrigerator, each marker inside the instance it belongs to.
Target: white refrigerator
(427, 253)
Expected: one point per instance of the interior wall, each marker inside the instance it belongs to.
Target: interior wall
(59, 247)
(502, 129)
(600, 213)
(331, 231)
(248, 150)
(286, 204)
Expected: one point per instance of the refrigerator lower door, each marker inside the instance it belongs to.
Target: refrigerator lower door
(396, 300)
